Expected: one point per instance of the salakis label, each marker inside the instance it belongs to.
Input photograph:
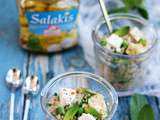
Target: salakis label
(51, 22)
(49, 31)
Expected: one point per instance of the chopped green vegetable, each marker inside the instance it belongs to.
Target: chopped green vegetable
(81, 110)
(136, 104)
(92, 111)
(71, 112)
(124, 44)
(86, 91)
(48, 104)
(146, 113)
(80, 103)
(55, 94)
(60, 110)
(121, 61)
(85, 100)
(103, 42)
(122, 31)
(143, 41)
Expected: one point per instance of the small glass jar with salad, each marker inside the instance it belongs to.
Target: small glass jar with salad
(48, 25)
(79, 96)
(121, 56)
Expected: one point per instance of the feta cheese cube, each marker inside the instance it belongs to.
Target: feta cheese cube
(63, 4)
(135, 49)
(67, 96)
(136, 34)
(115, 41)
(85, 116)
(97, 102)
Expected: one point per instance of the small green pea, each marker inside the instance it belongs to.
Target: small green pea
(60, 110)
(103, 42)
(143, 41)
(124, 44)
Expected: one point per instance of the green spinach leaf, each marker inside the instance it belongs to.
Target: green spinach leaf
(146, 113)
(137, 5)
(136, 104)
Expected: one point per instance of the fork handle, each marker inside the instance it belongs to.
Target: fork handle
(27, 104)
(11, 113)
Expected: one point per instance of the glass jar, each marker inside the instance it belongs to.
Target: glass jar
(48, 25)
(76, 80)
(124, 72)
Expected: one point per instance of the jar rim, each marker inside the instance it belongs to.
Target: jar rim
(97, 78)
(124, 16)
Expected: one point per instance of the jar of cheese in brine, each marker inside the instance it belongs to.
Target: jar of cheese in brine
(48, 25)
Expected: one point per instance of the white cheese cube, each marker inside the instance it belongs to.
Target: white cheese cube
(54, 47)
(67, 96)
(85, 116)
(63, 4)
(115, 41)
(134, 49)
(97, 102)
(136, 34)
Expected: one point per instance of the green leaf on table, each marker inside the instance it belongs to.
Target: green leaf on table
(143, 12)
(119, 10)
(122, 31)
(136, 5)
(132, 3)
(136, 104)
(146, 113)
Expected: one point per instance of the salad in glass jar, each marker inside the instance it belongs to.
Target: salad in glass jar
(122, 56)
